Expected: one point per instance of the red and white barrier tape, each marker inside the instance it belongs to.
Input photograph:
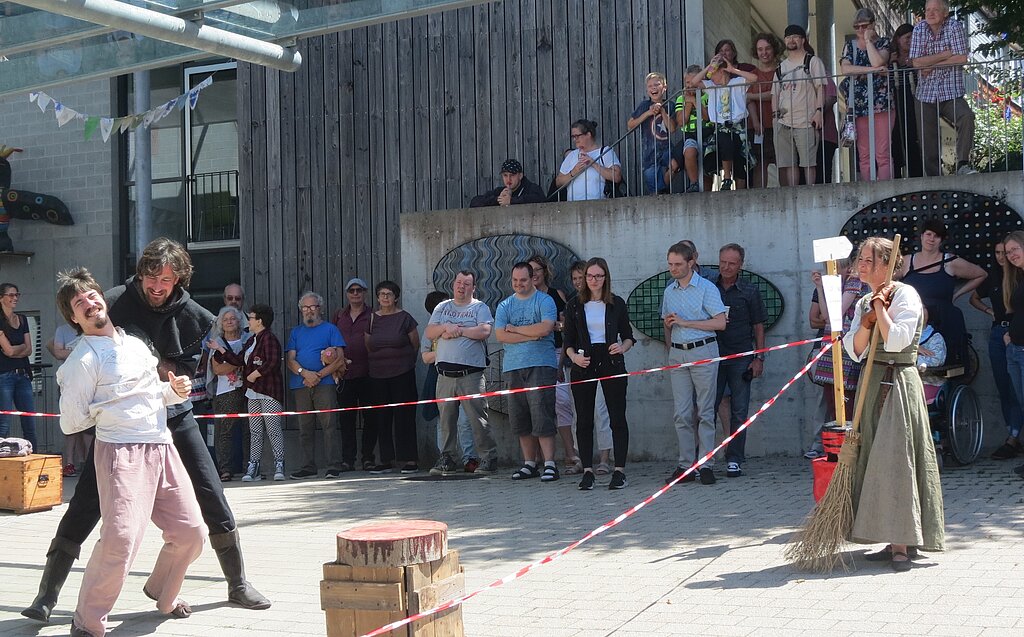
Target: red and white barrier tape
(551, 557)
(499, 392)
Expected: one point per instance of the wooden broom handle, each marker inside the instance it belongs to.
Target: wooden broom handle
(858, 409)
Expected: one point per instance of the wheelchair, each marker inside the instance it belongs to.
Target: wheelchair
(954, 411)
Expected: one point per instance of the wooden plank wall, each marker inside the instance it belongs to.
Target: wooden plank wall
(419, 115)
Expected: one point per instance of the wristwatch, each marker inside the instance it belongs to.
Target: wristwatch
(759, 357)
(299, 372)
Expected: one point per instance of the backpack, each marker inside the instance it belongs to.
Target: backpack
(614, 190)
(807, 67)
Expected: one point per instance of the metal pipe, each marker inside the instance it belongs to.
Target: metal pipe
(122, 15)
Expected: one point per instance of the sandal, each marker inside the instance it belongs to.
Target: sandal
(526, 472)
(901, 566)
(603, 469)
(885, 555)
(573, 466)
(550, 473)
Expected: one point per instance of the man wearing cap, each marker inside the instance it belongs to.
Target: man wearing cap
(517, 189)
(353, 321)
(938, 47)
(798, 98)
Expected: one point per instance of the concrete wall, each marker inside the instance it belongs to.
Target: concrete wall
(57, 161)
(776, 226)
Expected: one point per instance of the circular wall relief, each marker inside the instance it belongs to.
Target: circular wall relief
(645, 300)
(975, 222)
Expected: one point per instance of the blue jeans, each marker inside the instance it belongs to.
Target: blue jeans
(654, 174)
(465, 437)
(16, 395)
(730, 374)
(1009, 398)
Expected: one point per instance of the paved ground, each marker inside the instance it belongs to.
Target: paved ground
(699, 561)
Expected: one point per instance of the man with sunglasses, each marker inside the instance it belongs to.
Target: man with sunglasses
(353, 321)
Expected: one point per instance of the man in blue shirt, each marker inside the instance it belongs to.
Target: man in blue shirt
(524, 324)
(692, 310)
(312, 383)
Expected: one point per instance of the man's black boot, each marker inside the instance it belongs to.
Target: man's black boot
(229, 554)
(59, 559)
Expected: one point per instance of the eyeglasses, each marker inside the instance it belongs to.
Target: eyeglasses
(356, 290)
(595, 277)
(252, 317)
(575, 136)
(385, 293)
(228, 297)
(310, 307)
(860, 27)
(13, 295)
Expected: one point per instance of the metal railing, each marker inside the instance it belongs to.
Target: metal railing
(213, 206)
(889, 142)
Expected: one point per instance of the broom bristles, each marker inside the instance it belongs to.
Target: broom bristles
(819, 545)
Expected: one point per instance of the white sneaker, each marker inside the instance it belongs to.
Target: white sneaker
(813, 454)
(252, 473)
(278, 471)
(966, 169)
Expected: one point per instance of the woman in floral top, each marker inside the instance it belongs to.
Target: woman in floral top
(869, 53)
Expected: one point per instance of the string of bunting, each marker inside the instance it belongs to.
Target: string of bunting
(107, 125)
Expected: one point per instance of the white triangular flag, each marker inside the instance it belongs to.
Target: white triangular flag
(64, 114)
(43, 101)
(33, 95)
(106, 125)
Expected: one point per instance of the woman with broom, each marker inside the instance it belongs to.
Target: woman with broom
(897, 496)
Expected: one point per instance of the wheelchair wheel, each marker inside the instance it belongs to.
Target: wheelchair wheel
(964, 425)
(971, 367)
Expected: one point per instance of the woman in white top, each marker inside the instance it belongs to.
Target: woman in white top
(224, 384)
(585, 169)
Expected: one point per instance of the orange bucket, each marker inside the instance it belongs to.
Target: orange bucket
(823, 470)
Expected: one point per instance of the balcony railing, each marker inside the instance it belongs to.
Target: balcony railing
(213, 206)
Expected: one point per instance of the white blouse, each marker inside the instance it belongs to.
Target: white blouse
(905, 312)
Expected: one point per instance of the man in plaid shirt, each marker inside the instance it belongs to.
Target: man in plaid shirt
(938, 47)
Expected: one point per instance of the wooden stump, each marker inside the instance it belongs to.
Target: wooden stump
(389, 571)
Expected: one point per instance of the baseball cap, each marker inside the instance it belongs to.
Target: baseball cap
(357, 281)
(796, 29)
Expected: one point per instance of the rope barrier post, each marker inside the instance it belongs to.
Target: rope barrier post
(391, 571)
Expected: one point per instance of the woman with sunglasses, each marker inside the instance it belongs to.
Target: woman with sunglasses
(866, 54)
(597, 335)
(15, 371)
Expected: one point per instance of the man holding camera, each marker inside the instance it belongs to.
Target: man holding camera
(744, 331)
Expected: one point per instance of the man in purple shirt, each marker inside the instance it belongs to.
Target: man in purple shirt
(938, 48)
(353, 321)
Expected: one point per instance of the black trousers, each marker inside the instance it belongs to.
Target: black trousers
(584, 394)
(393, 427)
(354, 392)
(84, 509)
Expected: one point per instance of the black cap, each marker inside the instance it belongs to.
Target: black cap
(796, 29)
(512, 166)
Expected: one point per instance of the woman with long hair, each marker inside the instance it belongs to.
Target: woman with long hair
(897, 496)
(1013, 299)
(597, 335)
(15, 369)
(225, 384)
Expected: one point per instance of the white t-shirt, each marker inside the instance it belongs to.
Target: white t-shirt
(727, 103)
(589, 185)
(594, 311)
(795, 94)
(232, 381)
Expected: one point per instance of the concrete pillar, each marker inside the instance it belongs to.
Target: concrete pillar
(143, 167)
(825, 29)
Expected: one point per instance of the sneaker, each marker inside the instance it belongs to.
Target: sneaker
(410, 467)
(278, 471)
(378, 469)
(488, 467)
(587, 481)
(332, 473)
(966, 169)
(1005, 452)
(734, 470)
(1019, 470)
(707, 476)
(252, 473)
(813, 454)
(368, 465)
(678, 471)
(303, 474)
(471, 465)
(445, 466)
(726, 184)
(694, 187)
(69, 470)
(618, 480)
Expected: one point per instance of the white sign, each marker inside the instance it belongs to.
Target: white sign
(832, 249)
(832, 285)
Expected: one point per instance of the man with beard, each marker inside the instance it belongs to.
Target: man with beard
(154, 305)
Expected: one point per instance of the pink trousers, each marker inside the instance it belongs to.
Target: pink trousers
(883, 137)
(139, 482)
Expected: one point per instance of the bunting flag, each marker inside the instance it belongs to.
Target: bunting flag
(107, 125)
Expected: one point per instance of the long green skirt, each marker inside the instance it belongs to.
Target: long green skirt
(897, 494)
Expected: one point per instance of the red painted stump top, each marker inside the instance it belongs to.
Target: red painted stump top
(398, 543)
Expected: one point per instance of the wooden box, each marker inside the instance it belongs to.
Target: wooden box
(30, 483)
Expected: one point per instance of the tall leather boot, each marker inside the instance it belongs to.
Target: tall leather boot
(59, 559)
(229, 554)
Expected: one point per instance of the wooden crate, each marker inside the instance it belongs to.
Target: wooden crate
(30, 483)
(361, 597)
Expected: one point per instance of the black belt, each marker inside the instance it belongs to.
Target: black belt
(459, 373)
(695, 344)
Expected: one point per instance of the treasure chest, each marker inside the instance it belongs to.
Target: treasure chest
(30, 483)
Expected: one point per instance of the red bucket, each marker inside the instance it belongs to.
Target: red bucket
(832, 437)
(823, 470)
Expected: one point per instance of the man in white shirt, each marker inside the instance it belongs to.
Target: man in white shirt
(110, 382)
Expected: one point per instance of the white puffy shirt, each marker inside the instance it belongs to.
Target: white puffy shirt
(112, 383)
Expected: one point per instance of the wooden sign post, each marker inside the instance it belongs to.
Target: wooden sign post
(830, 250)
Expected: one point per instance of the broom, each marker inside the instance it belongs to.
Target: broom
(818, 546)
